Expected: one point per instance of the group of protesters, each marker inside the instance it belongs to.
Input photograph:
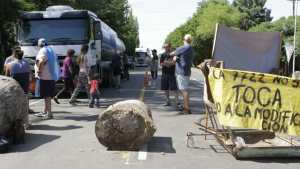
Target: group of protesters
(176, 72)
(47, 72)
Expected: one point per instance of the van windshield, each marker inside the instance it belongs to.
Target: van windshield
(54, 30)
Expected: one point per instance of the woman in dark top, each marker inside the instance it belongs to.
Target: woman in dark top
(67, 72)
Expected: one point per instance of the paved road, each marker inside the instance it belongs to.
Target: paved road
(68, 141)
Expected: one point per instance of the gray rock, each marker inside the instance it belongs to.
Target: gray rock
(125, 125)
(13, 109)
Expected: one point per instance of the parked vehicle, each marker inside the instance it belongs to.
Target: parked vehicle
(141, 55)
(66, 28)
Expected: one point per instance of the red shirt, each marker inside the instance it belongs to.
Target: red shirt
(94, 86)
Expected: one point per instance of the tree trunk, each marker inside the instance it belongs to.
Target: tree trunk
(13, 109)
(126, 125)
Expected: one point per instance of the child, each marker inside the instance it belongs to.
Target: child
(94, 92)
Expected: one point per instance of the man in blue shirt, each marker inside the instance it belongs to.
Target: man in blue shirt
(183, 56)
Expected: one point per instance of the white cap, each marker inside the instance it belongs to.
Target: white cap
(42, 42)
(188, 38)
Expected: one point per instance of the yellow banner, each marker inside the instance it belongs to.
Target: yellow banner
(256, 100)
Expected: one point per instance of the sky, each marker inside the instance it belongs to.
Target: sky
(157, 18)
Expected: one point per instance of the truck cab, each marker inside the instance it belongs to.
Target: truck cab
(66, 28)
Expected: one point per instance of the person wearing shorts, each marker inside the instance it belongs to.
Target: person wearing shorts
(168, 78)
(47, 73)
(183, 56)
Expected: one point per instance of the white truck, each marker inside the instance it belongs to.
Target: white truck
(66, 28)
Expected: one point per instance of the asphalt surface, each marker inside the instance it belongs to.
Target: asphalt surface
(68, 141)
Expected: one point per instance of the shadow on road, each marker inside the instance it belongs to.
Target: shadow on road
(33, 141)
(274, 160)
(161, 145)
(48, 127)
(156, 98)
(79, 118)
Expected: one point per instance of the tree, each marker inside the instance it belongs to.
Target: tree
(9, 12)
(131, 34)
(202, 26)
(255, 12)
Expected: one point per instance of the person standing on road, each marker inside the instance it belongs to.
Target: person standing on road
(154, 65)
(83, 78)
(47, 72)
(19, 70)
(116, 66)
(125, 67)
(168, 78)
(67, 72)
(183, 56)
(148, 61)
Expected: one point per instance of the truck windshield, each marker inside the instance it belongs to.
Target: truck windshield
(141, 54)
(54, 30)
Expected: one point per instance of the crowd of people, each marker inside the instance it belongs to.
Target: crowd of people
(47, 72)
(77, 74)
(176, 72)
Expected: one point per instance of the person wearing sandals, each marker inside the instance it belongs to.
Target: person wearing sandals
(168, 78)
(67, 71)
(83, 78)
(47, 73)
(183, 57)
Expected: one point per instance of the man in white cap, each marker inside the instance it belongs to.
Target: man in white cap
(183, 56)
(47, 73)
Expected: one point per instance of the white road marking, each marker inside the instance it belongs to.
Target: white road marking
(36, 102)
(143, 153)
(126, 156)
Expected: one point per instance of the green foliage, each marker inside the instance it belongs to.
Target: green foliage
(202, 26)
(255, 12)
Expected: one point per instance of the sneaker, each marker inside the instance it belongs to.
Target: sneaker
(56, 100)
(167, 104)
(41, 114)
(91, 106)
(179, 107)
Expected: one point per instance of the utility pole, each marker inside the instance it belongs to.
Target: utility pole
(295, 9)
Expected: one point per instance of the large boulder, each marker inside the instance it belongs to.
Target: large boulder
(126, 125)
(13, 109)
